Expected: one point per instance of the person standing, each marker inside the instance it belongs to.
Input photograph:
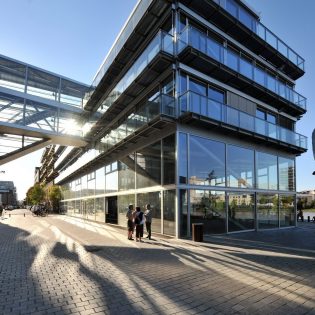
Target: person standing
(139, 220)
(148, 220)
(130, 225)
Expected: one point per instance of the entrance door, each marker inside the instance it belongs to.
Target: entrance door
(111, 210)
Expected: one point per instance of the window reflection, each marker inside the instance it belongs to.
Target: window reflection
(207, 162)
(287, 210)
(286, 174)
(266, 172)
(154, 199)
(169, 212)
(267, 211)
(208, 207)
(241, 211)
(240, 167)
(148, 166)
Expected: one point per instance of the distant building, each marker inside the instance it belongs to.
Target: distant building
(307, 196)
(7, 193)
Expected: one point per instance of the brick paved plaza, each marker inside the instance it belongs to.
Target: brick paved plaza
(62, 265)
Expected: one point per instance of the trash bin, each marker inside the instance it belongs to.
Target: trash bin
(197, 232)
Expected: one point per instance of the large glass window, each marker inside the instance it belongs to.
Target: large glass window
(241, 211)
(154, 199)
(89, 209)
(267, 211)
(183, 204)
(100, 181)
(169, 159)
(100, 209)
(148, 166)
(123, 202)
(287, 210)
(240, 167)
(207, 162)
(169, 212)
(216, 95)
(182, 158)
(286, 174)
(111, 183)
(208, 207)
(91, 184)
(266, 172)
(126, 176)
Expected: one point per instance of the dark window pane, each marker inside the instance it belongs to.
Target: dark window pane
(169, 159)
(183, 204)
(182, 158)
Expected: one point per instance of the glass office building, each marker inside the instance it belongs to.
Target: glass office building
(193, 111)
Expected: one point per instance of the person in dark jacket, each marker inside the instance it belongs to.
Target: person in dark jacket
(148, 220)
(139, 220)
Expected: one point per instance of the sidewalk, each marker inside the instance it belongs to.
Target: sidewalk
(62, 265)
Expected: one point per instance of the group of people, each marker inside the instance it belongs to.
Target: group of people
(136, 220)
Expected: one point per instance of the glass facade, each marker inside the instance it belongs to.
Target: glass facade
(209, 160)
(241, 211)
(208, 207)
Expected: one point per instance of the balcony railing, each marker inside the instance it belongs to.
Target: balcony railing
(162, 104)
(161, 42)
(199, 104)
(190, 36)
(233, 8)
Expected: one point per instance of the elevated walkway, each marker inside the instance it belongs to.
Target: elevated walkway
(37, 108)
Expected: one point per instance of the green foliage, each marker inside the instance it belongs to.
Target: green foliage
(35, 194)
(54, 196)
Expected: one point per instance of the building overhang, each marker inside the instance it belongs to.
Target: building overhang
(156, 129)
(201, 62)
(213, 12)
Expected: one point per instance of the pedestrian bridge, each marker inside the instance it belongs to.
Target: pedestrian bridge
(38, 108)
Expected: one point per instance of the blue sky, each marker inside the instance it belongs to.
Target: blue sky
(72, 38)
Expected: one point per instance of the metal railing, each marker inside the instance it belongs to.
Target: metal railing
(191, 36)
(233, 8)
(202, 105)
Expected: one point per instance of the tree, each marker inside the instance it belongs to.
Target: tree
(54, 196)
(35, 194)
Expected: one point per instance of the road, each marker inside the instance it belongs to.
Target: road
(63, 265)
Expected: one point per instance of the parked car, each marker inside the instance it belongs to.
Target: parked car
(9, 207)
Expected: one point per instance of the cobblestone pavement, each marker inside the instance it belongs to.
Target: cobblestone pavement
(62, 265)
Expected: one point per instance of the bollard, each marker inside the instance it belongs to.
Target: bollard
(308, 218)
(24, 215)
(9, 215)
